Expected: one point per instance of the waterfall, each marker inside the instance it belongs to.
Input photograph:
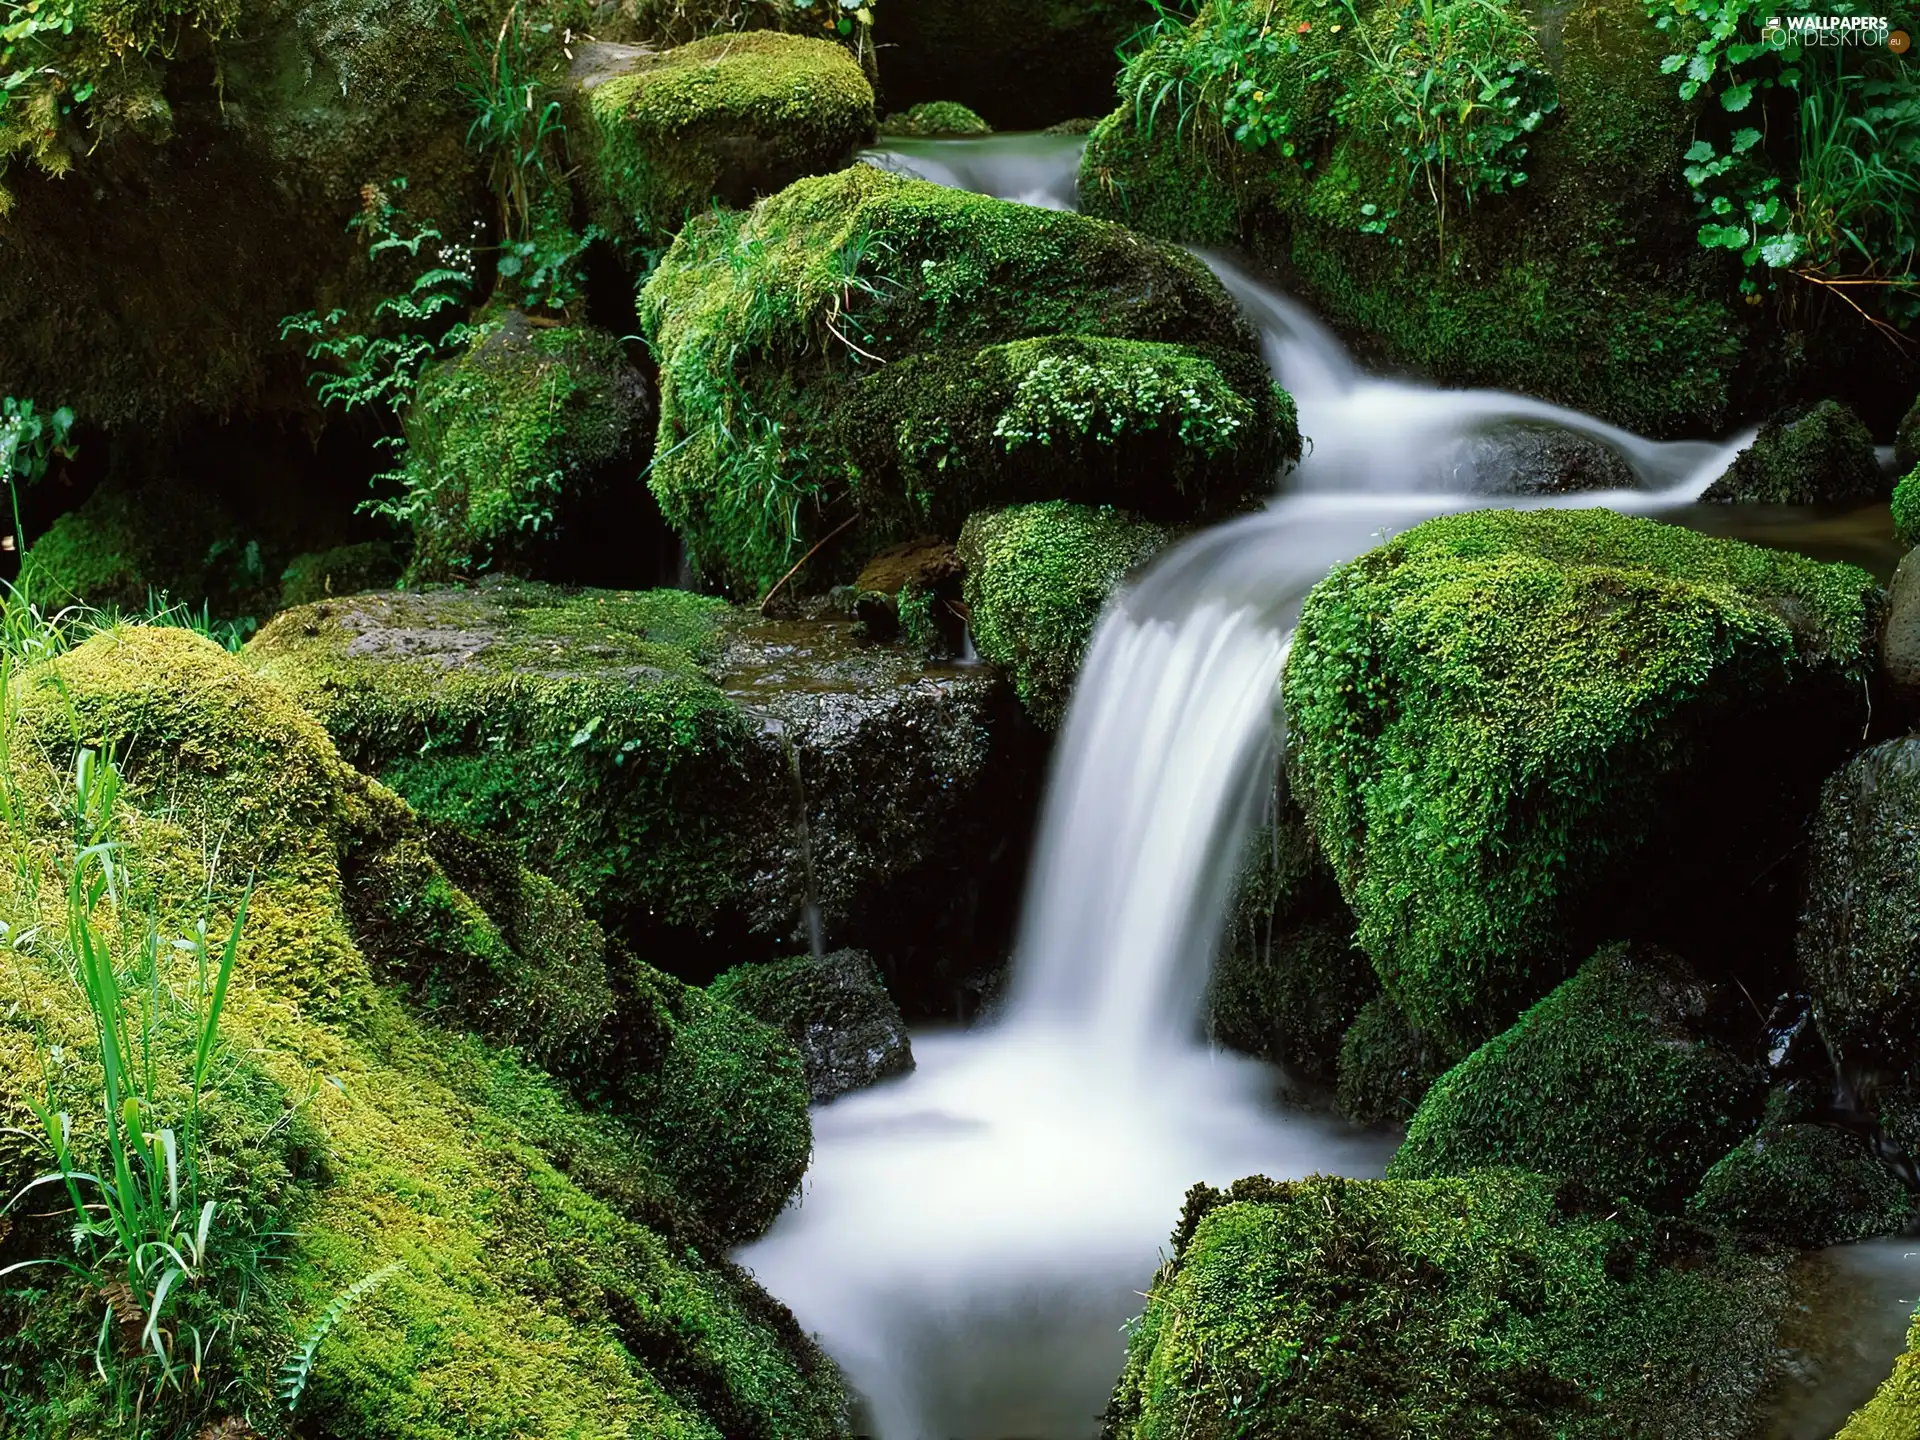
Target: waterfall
(971, 1238)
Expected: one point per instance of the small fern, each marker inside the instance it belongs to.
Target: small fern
(291, 1379)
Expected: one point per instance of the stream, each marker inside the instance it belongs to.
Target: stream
(972, 1238)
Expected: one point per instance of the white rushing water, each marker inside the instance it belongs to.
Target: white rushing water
(971, 1238)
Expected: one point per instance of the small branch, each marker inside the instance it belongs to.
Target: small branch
(781, 583)
(1892, 336)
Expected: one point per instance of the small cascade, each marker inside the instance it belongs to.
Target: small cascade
(971, 1239)
(803, 841)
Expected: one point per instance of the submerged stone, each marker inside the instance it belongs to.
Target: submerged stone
(1630, 1078)
(1859, 941)
(1804, 1185)
(1333, 1308)
(835, 1011)
(1038, 579)
(1816, 456)
(657, 752)
(866, 358)
(1519, 734)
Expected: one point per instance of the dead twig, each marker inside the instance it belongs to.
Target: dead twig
(781, 583)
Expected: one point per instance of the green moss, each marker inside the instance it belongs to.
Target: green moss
(1894, 1411)
(835, 1010)
(1495, 1304)
(555, 1275)
(778, 428)
(1906, 508)
(122, 549)
(1802, 1185)
(343, 570)
(1386, 1068)
(1822, 455)
(1584, 285)
(935, 119)
(1906, 445)
(728, 117)
(1038, 578)
(1492, 716)
(1617, 1079)
(508, 445)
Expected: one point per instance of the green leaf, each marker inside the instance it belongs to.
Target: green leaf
(1737, 97)
(1744, 140)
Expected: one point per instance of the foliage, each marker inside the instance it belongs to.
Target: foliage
(148, 1230)
(514, 126)
(29, 441)
(290, 1381)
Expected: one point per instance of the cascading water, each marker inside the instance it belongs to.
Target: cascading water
(971, 1239)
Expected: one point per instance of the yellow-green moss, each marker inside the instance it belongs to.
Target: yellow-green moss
(1517, 733)
(935, 119)
(725, 118)
(1894, 1411)
(557, 1277)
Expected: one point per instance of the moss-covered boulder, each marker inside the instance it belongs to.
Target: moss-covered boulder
(343, 570)
(1386, 1066)
(1288, 983)
(1859, 941)
(1816, 456)
(653, 751)
(865, 358)
(1894, 1411)
(1022, 66)
(543, 1266)
(1906, 442)
(1495, 1304)
(1906, 508)
(934, 120)
(728, 118)
(1804, 1185)
(1623, 1077)
(526, 451)
(1562, 260)
(834, 1010)
(1521, 734)
(1038, 579)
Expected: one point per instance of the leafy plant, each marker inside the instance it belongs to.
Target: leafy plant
(290, 1381)
(29, 441)
(513, 127)
(147, 1233)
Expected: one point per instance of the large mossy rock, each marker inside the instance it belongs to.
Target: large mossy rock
(1519, 735)
(548, 1267)
(1585, 285)
(1859, 941)
(1821, 455)
(651, 751)
(1629, 1077)
(865, 358)
(1022, 66)
(1038, 578)
(1386, 1067)
(836, 1012)
(1495, 1304)
(728, 118)
(524, 455)
(1803, 1185)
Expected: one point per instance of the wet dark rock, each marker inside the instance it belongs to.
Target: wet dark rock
(835, 1010)
(1900, 639)
(1859, 939)
(913, 588)
(1817, 456)
(1535, 460)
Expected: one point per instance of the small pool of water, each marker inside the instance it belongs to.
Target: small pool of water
(1855, 1303)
